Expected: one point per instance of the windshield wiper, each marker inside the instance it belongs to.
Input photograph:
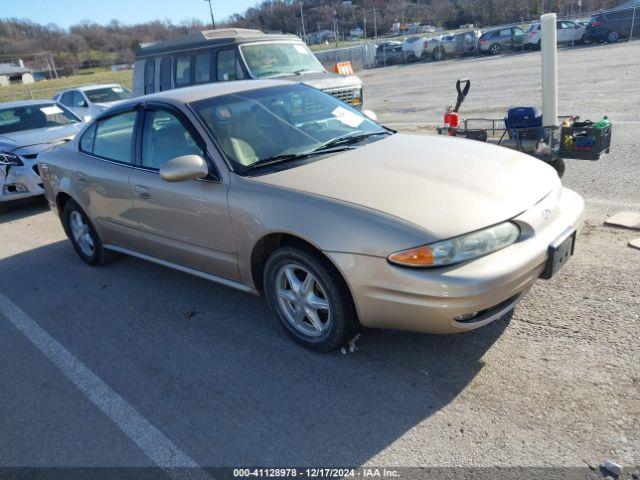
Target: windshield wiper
(347, 140)
(287, 157)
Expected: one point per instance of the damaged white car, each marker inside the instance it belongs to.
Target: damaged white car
(28, 128)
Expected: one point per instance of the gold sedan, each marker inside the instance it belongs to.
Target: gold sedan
(278, 188)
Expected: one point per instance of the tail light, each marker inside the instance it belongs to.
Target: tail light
(482, 42)
(595, 24)
(426, 44)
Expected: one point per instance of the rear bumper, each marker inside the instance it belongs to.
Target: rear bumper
(428, 300)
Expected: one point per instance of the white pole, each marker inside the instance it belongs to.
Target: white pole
(549, 70)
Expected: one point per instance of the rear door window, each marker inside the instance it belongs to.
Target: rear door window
(202, 68)
(67, 99)
(165, 74)
(150, 76)
(229, 66)
(183, 71)
(114, 137)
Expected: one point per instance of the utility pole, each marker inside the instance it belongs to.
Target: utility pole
(213, 22)
(375, 24)
(364, 21)
(304, 33)
(53, 65)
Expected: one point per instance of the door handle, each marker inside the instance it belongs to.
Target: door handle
(142, 191)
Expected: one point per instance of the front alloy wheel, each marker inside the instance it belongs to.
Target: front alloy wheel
(303, 300)
(309, 298)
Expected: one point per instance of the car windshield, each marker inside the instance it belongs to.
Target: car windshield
(281, 123)
(277, 59)
(108, 94)
(31, 117)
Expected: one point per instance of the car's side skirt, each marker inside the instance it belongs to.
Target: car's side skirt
(182, 268)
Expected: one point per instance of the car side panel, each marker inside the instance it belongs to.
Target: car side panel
(258, 210)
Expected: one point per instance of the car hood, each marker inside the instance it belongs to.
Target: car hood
(447, 186)
(35, 141)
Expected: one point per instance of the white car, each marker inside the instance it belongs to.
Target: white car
(413, 48)
(90, 100)
(27, 129)
(567, 32)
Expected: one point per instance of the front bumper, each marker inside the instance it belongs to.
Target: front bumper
(428, 300)
(20, 181)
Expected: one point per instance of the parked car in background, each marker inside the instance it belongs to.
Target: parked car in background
(230, 54)
(413, 48)
(494, 42)
(612, 25)
(27, 129)
(462, 43)
(389, 53)
(90, 100)
(278, 188)
(566, 32)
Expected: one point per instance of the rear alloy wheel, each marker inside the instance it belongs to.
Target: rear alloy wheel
(310, 299)
(613, 37)
(83, 236)
(495, 49)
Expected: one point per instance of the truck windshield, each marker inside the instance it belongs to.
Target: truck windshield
(278, 59)
(283, 123)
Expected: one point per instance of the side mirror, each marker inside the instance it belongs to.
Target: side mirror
(370, 115)
(186, 167)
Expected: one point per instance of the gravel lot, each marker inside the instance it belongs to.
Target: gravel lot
(555, 384)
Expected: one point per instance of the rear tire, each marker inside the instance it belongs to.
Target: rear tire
(83, 235)
(613, 37)
(495, 49)
(310, 299)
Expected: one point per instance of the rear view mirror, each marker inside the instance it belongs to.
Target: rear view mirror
(186, 167)
(370, 115)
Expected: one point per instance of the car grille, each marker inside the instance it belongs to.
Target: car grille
(346, 95)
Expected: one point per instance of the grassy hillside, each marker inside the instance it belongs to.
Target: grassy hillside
(47, 88)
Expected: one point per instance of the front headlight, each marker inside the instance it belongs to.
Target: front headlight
(357, 96)
(459, 249)
(8, 158)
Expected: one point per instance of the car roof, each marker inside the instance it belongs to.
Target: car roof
(207, 90)
(84, 88)
(25, 103)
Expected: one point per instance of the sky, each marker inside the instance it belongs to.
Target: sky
(70, 12)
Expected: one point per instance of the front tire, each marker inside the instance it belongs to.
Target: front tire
(83, 235)
(310, 299)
